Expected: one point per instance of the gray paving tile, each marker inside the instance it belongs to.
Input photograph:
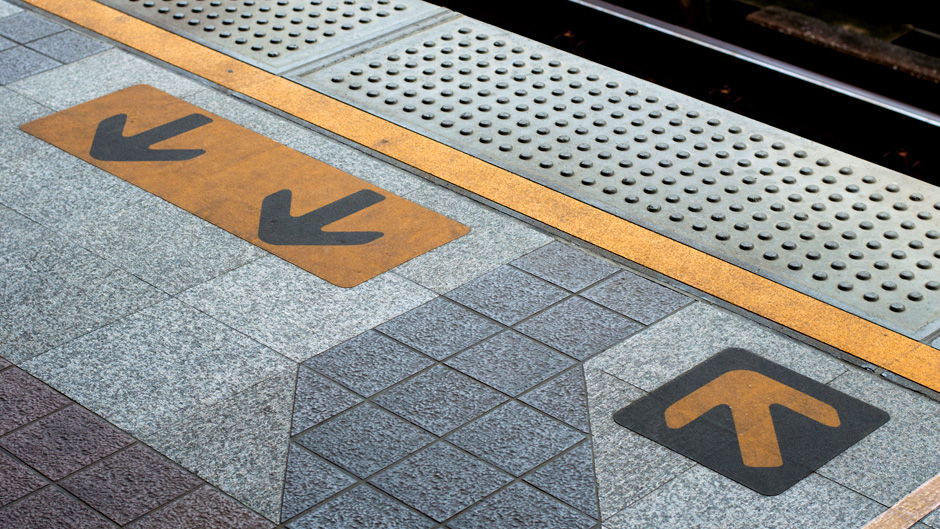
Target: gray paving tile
(98, 75)
(564, 398)
(439, 399)
(363, 508)
(26, 27)
(19, 232)
(507, 295)
(297, 313)
(520, 506)
(516, 438)
(317, 399)
(931, 520)
(18, 480)
(68, 46)
(441, 481)
(18, 63)
(309, 480)
(368, 363)
(204, 508)
(637, 298)
(7, 9)
(6, 43)
(365, 440)
(936, 343)
(510, 362)
(570, 478)
(50, 508)
(579, 328)
(156, 364)
(440, 328)
(565, 266)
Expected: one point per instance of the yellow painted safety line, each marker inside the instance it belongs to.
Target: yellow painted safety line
(911, 509)
(844, 331)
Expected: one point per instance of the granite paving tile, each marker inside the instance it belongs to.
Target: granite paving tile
(6, 44)
(579, 328)
(68, 46)
(19, 232)
(570, 478)
(64, 442)
(130, 484)
(936, 343)
(7, 9)
(156, 364)
(295, 312)
(26, 27)
(365, 439)
(18, 63)
(565, 266)
(441, 481)
(51, 508)
(440, 328)
(363, 508)
(636, 297)
(317, 399)
(204, 508)
(510, 362)
(507, 295)
(309, 480)
(520, 506)
(4, 364)
(17, 479)
(23, 399)
(368, 363)
(439, 399)
(564, 398)
(516, 438)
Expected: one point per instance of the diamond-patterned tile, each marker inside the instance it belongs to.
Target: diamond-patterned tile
(564, 398)
(51, 508)
(636, 297)
(507, 295)
(24, 399)
(571, 479)
(317, 399)
(204, 508)
(16, 480)
(363, 508)
(520, 506)
(26, 27)
(440, 328)
(309, 481)
(565, 266)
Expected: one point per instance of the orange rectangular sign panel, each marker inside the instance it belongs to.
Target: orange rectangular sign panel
(315, 216)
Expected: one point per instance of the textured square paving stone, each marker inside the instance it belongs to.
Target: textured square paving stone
(520, 506)
(510, 362)
(23, 399)
(19, 232)
(936, 343)
(564, 398)
(440, 328)
(570, 478)
(6, 43)
(7, 9)
(309, 480)
(68, 46)
(18, 62)
(565, 266)
(18, 480)
(204, 508)
(637, 298)
(4, 364)
(49, 508)
(317, 399)
(441, 481)
(363, 508)
(507, 295)
(26, 27)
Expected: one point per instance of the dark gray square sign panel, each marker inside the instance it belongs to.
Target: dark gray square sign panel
(752, 420)
(837, 228)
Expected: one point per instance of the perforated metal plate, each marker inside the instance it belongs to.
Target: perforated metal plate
(278, 34)
(848, 232)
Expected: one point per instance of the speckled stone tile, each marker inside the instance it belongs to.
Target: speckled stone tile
(510, 362)
(52, 508)
(7, 9)
(521, 506)
(936, 343)
(363, 508)
(507, 295)
(26, 27)
(18, 63)
(130, 484)
(516, 438)
(440, 328)
(204, 508)
(564, 398)
(23, 399)
(19, 232)
(637, 298)
(570, 478)
(565, 266)
(64, 442)
(14, 111)
(439, 399)
(17, 480)
(6, 44)
(4, 364)
(368, 363)
(579, 328)
(441, 481)
(365, 439)
(317, 399)
(68, 46)
(309, 480)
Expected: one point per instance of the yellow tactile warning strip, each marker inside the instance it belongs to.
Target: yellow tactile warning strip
(911, 509)
(825, 323)
(247, 184)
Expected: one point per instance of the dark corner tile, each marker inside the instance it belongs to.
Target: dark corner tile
(564, 398)
(440, 328)
(565, 266)
(518, 506)
(510, 362)
(51, 508)
(26, 27)
(16, 480)
(309, 481)
(440, 399)
(571, 479)
(4, 364)
(204, 508)
(68, 46)
(368, 363)
(131, 483)
(507, 295)
(441, 481)
(637, 298)
(363, 508)
(317, 399)
(579, 328)
(24, 399)
(65, 442)
(19, 62)
(516, 438)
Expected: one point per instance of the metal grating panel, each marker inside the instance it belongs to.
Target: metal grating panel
(848, 232)
(278, 34)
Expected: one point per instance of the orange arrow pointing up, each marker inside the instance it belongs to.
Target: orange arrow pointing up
(749, 395)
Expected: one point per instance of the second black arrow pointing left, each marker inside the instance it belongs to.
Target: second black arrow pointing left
(111, 145)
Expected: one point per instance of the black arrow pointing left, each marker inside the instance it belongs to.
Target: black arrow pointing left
(110, 144)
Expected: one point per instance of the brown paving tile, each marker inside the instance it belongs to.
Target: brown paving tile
(24, 399)
(131, 483)
(16, 480)
(4, 364)
(51, 509)
(206, 508)
(65, 442)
